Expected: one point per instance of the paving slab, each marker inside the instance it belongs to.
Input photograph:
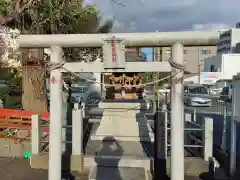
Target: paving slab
(116, 115)
(123, 148)
(115, 173)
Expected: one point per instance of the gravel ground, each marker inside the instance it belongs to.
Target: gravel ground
(19, 169)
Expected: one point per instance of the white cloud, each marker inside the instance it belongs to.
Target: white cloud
(209, 26)
(172, 15)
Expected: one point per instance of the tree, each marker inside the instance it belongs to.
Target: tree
(49, 17)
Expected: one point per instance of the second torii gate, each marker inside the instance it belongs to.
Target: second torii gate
(176, 40)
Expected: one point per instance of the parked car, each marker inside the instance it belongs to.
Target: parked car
(93, 98)
(79, 94)
(196, 95)
(215, 91)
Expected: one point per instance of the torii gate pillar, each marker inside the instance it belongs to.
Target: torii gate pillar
(177, 117)
(56, 108)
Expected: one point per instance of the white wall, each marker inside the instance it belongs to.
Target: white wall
(97, 76)
(230, 65)
(97, 85)
(236, 96)
(235, 37)
(209, 78)
(193, 79)
(227, 64)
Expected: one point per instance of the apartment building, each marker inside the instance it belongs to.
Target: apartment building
(135, 54)
(192, 55)
(228, 40)
(238, 25)
(237, 48)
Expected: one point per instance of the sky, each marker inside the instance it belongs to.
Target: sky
(169, 15)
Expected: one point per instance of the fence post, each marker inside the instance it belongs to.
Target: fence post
(194, 115)
(160, 146)
(83, 109)
(233, 155)
(208, 138)
(64, 121)
(166, 133)
(188, 117)
(77, 140)
(76, 106)
(224, 132)
(35, 134)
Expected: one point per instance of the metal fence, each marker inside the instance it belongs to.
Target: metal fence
(220, 110)
(198, 137)
(40, 129)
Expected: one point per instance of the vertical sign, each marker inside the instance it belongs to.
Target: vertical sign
(114, 52)
(53, 80)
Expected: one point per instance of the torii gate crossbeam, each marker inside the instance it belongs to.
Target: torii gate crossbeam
(187, 38)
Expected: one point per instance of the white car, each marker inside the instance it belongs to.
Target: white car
(85, 94)
(216, 91)
(196, 95)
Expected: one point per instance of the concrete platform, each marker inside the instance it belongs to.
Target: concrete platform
(195, 168)
(106, 153)
(130, 154)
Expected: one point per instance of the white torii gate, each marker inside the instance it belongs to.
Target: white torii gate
(177, 40)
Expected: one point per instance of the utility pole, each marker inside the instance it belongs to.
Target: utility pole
(198, 67)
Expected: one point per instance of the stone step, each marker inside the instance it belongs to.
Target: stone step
(41, 162)
(116, 173)
(115, 161)
(123, 105)
(119, 113)
(122, 121)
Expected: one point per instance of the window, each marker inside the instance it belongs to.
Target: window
(198, 90)
(205, 52)
(212, 68)
(168, 52)
(79, 89)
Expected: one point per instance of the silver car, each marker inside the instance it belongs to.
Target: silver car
(79, 94)
(196, 95)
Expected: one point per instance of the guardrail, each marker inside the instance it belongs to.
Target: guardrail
(201, 135)
(16, 124)
(77, 131)
(234, 146)
(194, 140)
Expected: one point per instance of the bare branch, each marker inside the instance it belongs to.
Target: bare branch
(25, 5)
(118, 3)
